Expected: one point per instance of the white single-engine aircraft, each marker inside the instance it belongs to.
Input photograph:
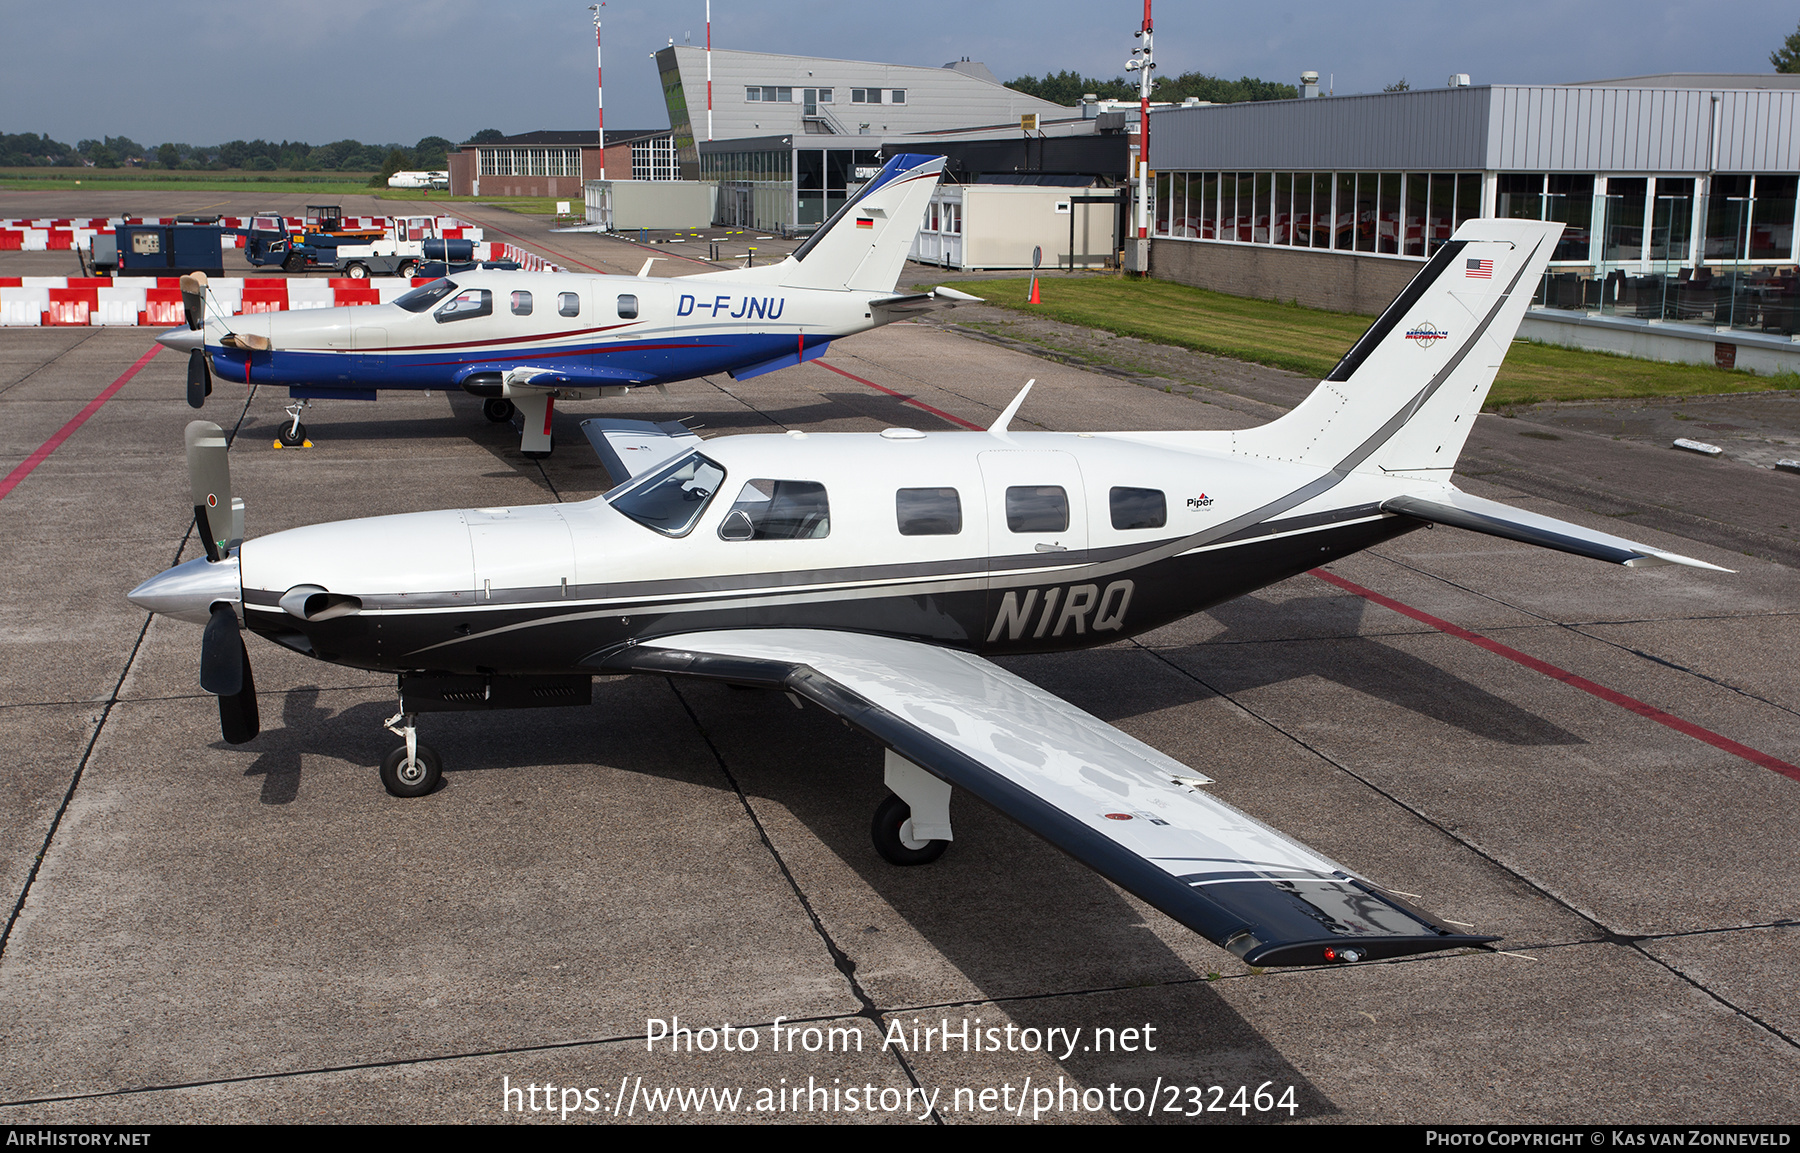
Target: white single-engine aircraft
(524, 340)
(875, 574)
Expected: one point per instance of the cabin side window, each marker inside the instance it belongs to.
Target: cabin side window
(628, 308)
(778, 510)
(928, 511)
(521, 303)
(568, 304)
(466, 305)
(1037, 508)
(1138, 508)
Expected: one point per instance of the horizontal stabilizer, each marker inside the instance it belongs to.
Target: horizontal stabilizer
(1134, 815)
(629, 447)
(798, 356)
(1461, 510)
(918, 302)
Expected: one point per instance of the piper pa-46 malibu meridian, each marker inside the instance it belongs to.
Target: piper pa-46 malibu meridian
(524, 340)
(874, 574)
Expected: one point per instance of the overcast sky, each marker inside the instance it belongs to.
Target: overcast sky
(207, 71)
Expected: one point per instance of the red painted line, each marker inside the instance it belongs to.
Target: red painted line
(909, 400)
(44, 450)
(1650, 712)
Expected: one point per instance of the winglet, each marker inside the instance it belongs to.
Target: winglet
(998, 428)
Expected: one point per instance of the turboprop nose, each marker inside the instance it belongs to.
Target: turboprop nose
(183, 339)
(189, 591)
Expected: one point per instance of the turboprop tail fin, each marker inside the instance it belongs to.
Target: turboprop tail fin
(864, 244)
(1405, 396)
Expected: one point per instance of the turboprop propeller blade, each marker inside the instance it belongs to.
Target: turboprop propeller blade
(193, 298)
(225, 672)
(209, 480)
(199, 378)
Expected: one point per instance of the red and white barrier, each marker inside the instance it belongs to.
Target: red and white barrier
(63, 235)
(45, 301)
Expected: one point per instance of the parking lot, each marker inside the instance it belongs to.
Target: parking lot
(205, 932)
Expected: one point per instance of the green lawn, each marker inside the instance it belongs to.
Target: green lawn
(1310, 341)
(153, 179)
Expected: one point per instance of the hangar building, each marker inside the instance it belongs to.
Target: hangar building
(1678, 192)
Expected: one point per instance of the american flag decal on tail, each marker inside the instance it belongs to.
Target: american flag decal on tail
(1480, 270)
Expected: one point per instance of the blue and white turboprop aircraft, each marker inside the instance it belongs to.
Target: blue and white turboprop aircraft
(524, 340)
(875, 575)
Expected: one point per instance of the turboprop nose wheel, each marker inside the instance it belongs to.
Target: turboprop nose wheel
(413, 769)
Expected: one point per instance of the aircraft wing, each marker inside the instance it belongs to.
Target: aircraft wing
(1461, 510)
(913, 303)
(629, 447)
(1137, 817)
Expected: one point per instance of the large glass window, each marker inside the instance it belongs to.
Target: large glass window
(1343, 224)
(928, 511)
(1418, 192)
(1623, 238)
(1209, 206)
(1569, 198)
(671, 499)
(778, 510)
(1321, 206)
(1672, 218)
(1520, 196)
(1772, 217)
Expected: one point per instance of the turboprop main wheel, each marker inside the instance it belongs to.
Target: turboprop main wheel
(292, 435)
(891, 831)
(411, 778)
(497, 409)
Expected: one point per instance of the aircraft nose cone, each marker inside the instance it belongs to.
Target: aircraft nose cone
(189, 591)
(183, 339)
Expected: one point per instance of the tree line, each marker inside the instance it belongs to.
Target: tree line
(29, 150)
(1067, 88)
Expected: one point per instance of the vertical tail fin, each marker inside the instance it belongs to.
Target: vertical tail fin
(864, 244)
(1406, 394)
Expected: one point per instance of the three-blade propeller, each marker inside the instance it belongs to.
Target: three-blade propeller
(224, 660)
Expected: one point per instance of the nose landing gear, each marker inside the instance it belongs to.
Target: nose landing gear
(293, 433)
(413, 769)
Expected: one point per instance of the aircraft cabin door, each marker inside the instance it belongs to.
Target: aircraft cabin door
(1037, 521)
(371, 353)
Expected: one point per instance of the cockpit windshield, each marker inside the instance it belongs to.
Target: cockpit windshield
(426, 295)
(672, 498)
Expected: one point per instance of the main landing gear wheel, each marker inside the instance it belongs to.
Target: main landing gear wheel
(497, 409)
(534, 455)
(292, 435)
(891, 831)
(412, 777)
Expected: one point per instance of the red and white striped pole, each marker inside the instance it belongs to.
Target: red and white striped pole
(599, 85)
(1144, 80)
(709, 69)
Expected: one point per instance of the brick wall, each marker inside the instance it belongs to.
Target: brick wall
(1336, 281)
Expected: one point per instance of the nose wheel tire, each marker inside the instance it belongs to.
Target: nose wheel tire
(291, 435)
(891, 830)
(411, 778)
(497, 409)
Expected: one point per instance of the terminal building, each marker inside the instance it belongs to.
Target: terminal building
(1678, 193)
(557, 163)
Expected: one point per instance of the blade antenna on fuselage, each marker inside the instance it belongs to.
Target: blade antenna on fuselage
(998, 428)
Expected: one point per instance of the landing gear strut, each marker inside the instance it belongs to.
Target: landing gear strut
(293, 434)
(413, 769)
(911, 827)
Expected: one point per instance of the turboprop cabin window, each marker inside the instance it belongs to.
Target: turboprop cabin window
(778, 510)
(426, 295)
(671, 499)
(928, 511)
(467, 304)
(627, 308)
(1139, 508)
(1037, 508)
(521, 303)
(568, 304)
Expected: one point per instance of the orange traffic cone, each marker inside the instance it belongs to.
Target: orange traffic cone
(1034, 293)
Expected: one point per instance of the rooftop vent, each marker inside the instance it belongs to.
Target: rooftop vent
(1459, 80)
(1309, 84)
